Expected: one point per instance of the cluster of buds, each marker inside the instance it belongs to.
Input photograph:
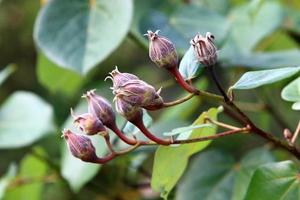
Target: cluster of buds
(131, 96)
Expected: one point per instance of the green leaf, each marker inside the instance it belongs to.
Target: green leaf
(170, 162)
(5, 180)
(291, 92)
(6, 72)
(252, 22)
(275, 59)
(75, 171)
(80, 34)
(57, 79)
(247, 166)
(210, 176)
(256, 79)
(189, 66)
(214, 175)
(184, 22)
(275, 181)
(24, 119)
(31, 168)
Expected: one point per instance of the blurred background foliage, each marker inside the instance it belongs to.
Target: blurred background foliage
(53, 51)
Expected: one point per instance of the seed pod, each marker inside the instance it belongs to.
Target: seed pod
(80, 146)
(88, 123)
(127, 110)
(100, 107)
(205, 49)
(134, 91)
(161, 50)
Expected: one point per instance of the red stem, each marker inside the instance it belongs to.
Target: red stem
(121, 135)
(181, 81)
(138, 122)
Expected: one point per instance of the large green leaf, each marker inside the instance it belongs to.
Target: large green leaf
(33, 170)
(214, 175)
(183, 23)
(251, 23)
(274, 59)
(6, 72)
(256, 79)
(5, 180)
(170, 162)
(24, 119)
(79, 34)
(57, 79)
(291, 92)
(247, 166)
(278, 181)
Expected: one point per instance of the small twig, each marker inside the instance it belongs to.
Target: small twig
(179, 101)
(221, 124)
(296, 134)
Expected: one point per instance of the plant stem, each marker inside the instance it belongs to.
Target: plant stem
(121, 135)
(179, 101)
(212, 72)
(138, 122)
(296, 134)
(222, 134)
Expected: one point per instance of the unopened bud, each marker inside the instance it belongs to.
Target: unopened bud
(135, 91)
(119, 79)
(205, 49)
(127, 110)
(100, 107)
(161, 50)
(80, 146)
(88, 123)
(287, 134)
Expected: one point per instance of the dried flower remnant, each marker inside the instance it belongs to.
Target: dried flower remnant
(100, 107)
(88, 123)
(130, 89)
(161, 50)
(80, 146)
(205, 49)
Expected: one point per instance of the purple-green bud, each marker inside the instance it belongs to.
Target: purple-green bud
(127, 110)
(205, 49)
(100, 107)
(135, 91)
(88, 123)
(80, 146)
(161, 50)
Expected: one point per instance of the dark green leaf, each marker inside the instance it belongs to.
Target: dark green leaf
(170, 162)
(24, 119)
(210, 176)
(57, 79)
(275, 181)
(80, 34)
(256, 79)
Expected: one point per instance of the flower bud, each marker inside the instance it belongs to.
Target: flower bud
(88, 123)
(205, 49)
(127, 110)
(100, 107)
(161, 50)
(135, 91)
(80, 146)
(119, 79)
